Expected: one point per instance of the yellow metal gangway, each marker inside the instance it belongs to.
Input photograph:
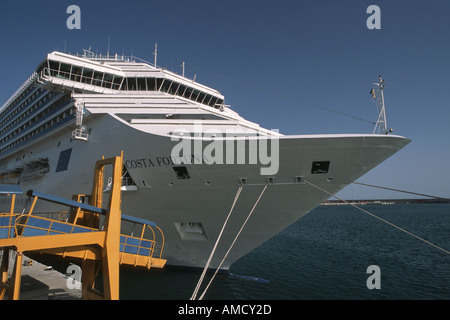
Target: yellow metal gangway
(77, 234)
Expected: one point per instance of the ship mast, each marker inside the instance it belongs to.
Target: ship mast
(378, 97)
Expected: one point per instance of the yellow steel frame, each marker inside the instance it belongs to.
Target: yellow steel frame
(93, 247)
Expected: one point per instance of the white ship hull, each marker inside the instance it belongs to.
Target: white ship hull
(191, 212)
(75, 109)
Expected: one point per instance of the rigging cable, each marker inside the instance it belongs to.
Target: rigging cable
(381, 219)
(283, 96)
(194, 294)
(232, 244)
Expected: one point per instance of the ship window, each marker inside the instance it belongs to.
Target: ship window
(176, 87)
(64, 71)
(180, 90)
(130, 84)
(107, 81)
(172, 87)
(194, 95)
(98, 77)
(142, 85)
(320, 167)
(87, 76)
(187, 92)
(54, 68)
(201, 97)
(76, 73)
(117, 82)
(214, 101)
(151, 84)
(159, 82)
(125, 84)
(166, 85)
(181, 172)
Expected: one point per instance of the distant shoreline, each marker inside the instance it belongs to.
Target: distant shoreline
(384, 201)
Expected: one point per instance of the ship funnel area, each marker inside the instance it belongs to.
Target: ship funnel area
(86, 232)
(378, 97)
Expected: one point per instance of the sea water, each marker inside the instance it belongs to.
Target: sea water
(326, 255)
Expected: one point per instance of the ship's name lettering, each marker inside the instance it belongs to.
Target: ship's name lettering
(160, 161)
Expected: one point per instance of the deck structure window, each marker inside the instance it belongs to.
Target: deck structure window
(117, 82)
(180, 90)
(76, 73)
(54, 68)
(194, 95)
(87, 76)
(64, 71)
(201, 97)
(107, 81)
(159, 83)
(98, 78)
(151, 84)
(187, 93)
(141, 84)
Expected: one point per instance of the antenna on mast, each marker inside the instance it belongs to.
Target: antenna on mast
(378, 97)
(156, 52)
(183, 66)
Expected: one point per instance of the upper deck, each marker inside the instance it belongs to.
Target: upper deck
(66, 88)
(106, 74)
(45, 100)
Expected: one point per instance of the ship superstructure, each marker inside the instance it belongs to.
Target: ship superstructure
(186, 153)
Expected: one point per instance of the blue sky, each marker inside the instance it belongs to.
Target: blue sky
(267, 57)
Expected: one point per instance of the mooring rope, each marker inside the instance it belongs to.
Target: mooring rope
(381, 219)
(194, 294)
(232, 244)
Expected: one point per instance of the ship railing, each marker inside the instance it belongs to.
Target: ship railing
(145, 240)
(142, 246)
(87, 54)
(143, 237)
(21, 89)
(25, 225)
(7, 221)
(32, 225)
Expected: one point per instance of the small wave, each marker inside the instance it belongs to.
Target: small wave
(248, 278)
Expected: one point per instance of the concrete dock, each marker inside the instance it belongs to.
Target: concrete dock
(41, 282)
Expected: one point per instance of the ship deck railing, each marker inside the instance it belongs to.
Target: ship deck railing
(87, 232)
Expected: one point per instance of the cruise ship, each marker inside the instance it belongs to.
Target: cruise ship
(192, 164)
